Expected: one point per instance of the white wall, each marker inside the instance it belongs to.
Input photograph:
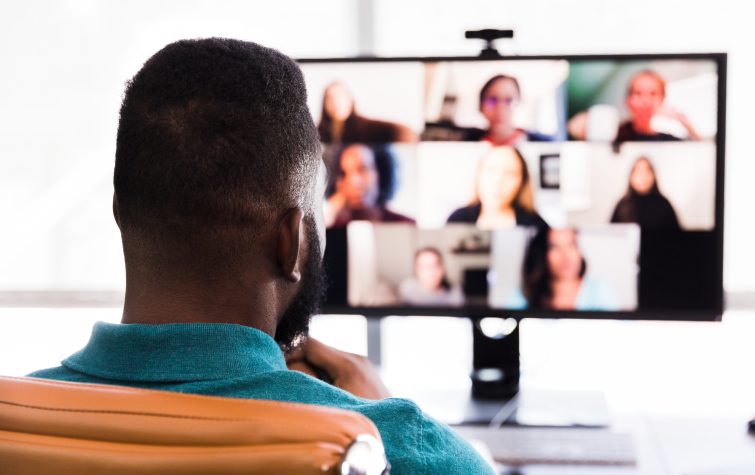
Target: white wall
(64, 66)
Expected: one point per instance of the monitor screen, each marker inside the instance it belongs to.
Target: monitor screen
(524, 186)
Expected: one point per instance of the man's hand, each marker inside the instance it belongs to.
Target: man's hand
(350, 372)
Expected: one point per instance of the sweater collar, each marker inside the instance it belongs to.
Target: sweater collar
(176, 352)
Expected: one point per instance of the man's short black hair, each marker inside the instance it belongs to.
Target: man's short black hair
(215, 141)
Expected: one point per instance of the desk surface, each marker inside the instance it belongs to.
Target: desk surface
(672, 446)
(665, 444)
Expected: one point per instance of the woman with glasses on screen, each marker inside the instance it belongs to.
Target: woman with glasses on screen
(503, 193)
(553, 276)
(499, 97)
(643, 203)
(341, 124)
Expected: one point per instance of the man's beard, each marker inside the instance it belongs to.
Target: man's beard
(295, 320)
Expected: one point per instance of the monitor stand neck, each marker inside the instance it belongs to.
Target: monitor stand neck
(374, 341)
(495, 364)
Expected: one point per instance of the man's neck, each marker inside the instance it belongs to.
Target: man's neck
(155, 301)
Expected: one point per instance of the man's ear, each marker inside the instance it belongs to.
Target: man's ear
(115, 210)
(290, 234)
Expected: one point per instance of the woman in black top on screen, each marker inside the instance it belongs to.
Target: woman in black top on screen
(503, 193)
(643, 203)
(341, 124)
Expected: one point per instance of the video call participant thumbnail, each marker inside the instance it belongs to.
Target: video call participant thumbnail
(645, 96)
(341, 124)
(364, 182)
(554, 276)
(499, 98)
(429, 285)
(503, 193)
(643, 203)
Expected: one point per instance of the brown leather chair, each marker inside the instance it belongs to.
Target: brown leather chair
(54, 427)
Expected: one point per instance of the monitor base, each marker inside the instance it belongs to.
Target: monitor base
(540, 408)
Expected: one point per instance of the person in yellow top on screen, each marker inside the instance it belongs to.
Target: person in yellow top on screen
(341, 124)
(429, 286)
(644, 101)
(364, 182)
(503, 193)
(499, 97)
(554, 276)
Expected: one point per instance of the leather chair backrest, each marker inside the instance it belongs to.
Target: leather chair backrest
(54, 427)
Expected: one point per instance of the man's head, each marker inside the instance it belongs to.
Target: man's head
(217, 171)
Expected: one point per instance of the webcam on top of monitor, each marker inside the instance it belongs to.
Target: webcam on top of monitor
(489, 36)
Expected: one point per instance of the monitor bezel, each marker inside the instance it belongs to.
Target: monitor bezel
(476, 312)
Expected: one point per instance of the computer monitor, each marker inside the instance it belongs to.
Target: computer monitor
(548, 186)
